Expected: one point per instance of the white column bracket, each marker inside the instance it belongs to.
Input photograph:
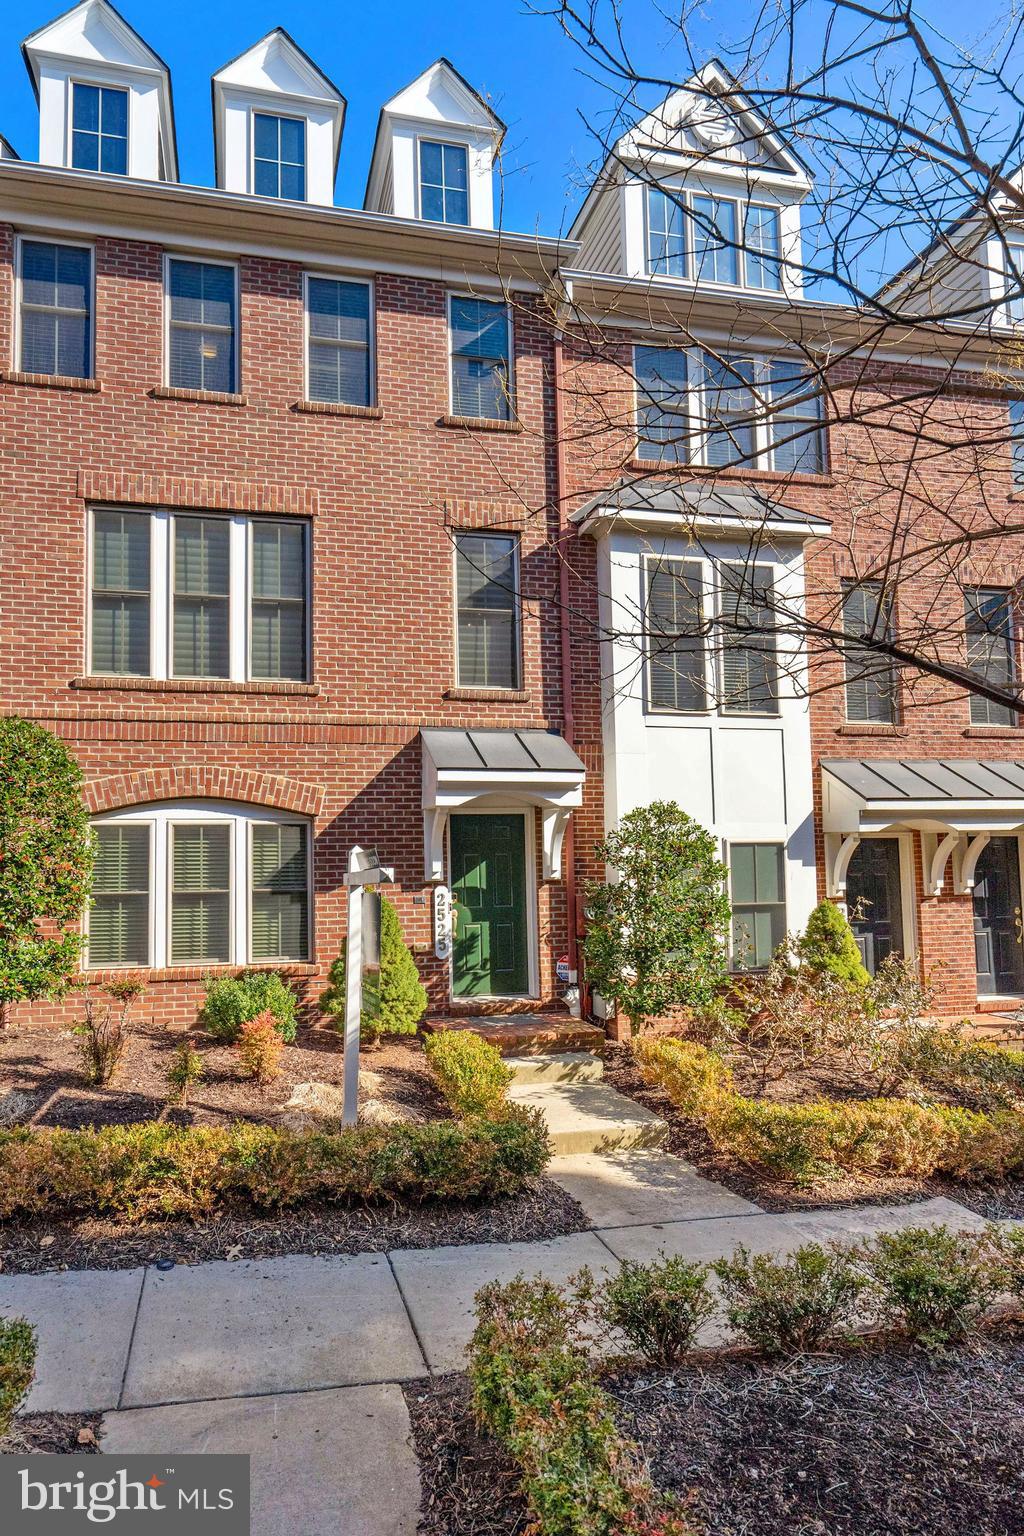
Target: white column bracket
(554, 820)
(969, 863)
(838, 853)
(939, 861)
(435, 819)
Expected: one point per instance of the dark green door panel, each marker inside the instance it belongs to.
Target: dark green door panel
(489, 886)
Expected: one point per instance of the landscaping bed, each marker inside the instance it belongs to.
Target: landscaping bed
(881, 1443)
(53, 1434)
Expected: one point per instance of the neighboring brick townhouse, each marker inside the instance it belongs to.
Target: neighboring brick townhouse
(325, 526)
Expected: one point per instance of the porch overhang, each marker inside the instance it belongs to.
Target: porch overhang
(463, 767)
(651, 505)
(957, 804)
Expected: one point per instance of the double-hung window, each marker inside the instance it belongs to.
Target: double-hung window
(730, 410)
(764, 413)
(481, 353)
(99, 128)
(794, 424)
(55, 309)
(1014, 276)
(715, 240)
(339, 363)
(758, 886)
(487, 610)
(761, 248)
(183, 885)
(870, 677)
(279, 156)
(662, 404)
(747, 640)
(444, 182)
(988, 621)
(201, 347)
(196, 595)
(666, 233)
(675, 635)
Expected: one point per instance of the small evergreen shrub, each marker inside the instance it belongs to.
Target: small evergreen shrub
(694, 1078)
(394, 997)
(932, 1284)
(232, 1001)
(186, 1069)
(660, 1307)
(790, 1306)
(469, 1071)
(828, 945)
(17, 1367)
(259, 1048)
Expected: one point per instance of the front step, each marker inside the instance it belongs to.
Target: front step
(565, 1067)
(590, 1117)
(526, 1034)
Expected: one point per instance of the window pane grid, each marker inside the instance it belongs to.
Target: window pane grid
(797, 440)
(444, 183)
(202, 326)
(716, 255)
(99, 129)
(487, 612)
(279, 156)
(55, 309)
(761, 248)
(666, 225)
(757, 873)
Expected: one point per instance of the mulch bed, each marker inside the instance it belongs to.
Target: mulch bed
(689, 1140)
(540, 1211)
(886, 1442)
(54, 1434)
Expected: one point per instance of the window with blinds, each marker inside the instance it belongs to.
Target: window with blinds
(278, 642)
(487, 610)
(870, 678)
(280, 892)
(201, 326)
(201, 600)
(200, 893)
(675, 636)
(118, 921)
(794, 425)
(988, 620)
(662, 404)
(757, 877)
(749, 663)
(120, 618)
(55, 309)
(480, 358)
(729, 410)
(339, 363)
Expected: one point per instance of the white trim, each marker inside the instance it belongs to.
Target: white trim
(132, 965)
(172, 825)
(203, 260)
(683, 197)
(514, 538)
(292, 117)
(782, 844)
(466, 147)
(20, 239)
(467, 293)
(371, 339)
(503, 808)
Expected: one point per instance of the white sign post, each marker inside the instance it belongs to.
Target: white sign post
(364, 869)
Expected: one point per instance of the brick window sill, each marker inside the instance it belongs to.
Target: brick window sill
(489, 695)
(865, 728)
(295, 968)
(338, 408)
(50, 381)
(479, 423)
(198, 396)
(728, 472)
(193, 685)
(994, 732)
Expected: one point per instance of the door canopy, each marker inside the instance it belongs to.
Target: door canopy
(522, 767)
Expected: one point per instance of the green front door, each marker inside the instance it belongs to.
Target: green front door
(489, 887)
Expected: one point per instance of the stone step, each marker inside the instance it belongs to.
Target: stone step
(560, 1067)
(526, 1034)
(590, 1117)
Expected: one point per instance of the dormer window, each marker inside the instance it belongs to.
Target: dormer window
(666, 247)
(279, 156)
(1015, 277)
(444, 182)
(719, 239)
(714, 240)
(99, 128)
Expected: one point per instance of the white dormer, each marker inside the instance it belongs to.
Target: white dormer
(702, 191)
(434, 153)
(277, 123)
(104, 96)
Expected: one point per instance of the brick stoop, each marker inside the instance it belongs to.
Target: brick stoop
(533, 1034)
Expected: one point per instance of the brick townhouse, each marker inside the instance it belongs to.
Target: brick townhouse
(318, 531)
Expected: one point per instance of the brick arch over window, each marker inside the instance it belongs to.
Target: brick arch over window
(203, 783)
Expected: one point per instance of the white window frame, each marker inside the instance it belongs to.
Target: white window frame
(429, 138)
(32, 238)
(782, 843)
(708, 598)
(680, 196)
(173, 822)
(684, 196)
(292, 117)
(466, 293)
(69, 121)
(161, 819)
(500, 533)
(749, 561)
(161, 595)
(206, 261)
(339, 277)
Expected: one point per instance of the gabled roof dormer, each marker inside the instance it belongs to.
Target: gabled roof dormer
(434, 154)
(703, 190)
(277, 123)
(104, 96)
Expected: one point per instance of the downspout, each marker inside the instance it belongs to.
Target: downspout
(565, 653)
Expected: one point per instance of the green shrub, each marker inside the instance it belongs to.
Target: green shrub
(828, 945)
(945, 1059)
(232, 1001)
(931, 1283)
(470, 1072)
(693, 1077)
(659, 1307)
(17, 1367)
(394, 997)
(155, 1169)
(534, 1390)
(794, 1305)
